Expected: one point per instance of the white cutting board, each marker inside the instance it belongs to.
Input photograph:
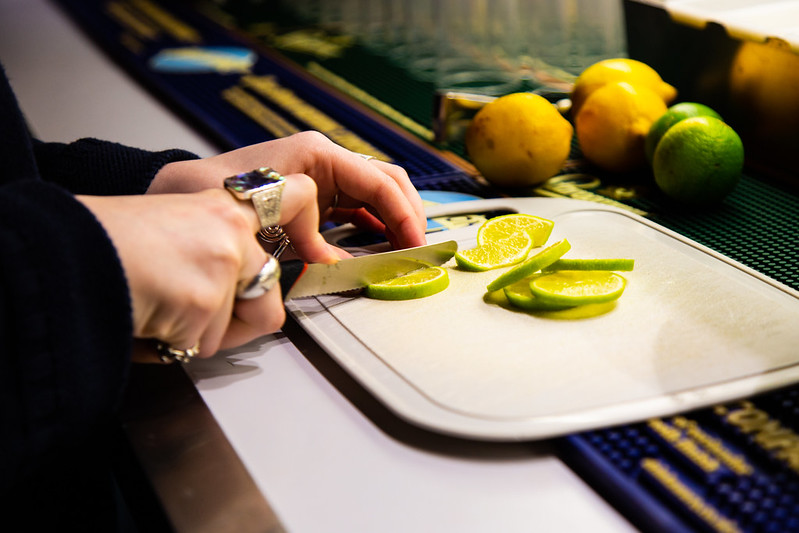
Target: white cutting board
(692, 329)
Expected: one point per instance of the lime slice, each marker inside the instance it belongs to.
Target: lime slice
(520, 296)
(420, 283)
(619, 265)
(571, 287)
(495, 254)
(530, 266)
(504, 226)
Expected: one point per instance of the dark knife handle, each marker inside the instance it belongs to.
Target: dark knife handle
(290, 272)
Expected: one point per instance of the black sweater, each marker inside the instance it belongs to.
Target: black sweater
(65, 320)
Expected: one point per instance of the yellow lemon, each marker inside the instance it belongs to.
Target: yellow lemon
(763, 88)
(613, 123)
(518, 140)
(619, 69)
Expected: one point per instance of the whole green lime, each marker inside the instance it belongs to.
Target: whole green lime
(698, 161)
(672, 116)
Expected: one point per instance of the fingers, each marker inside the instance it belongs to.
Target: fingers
(183, 256)
(201, 302)
(233, 321)
(408, 190)
(299, 216)
(386, 190)
(255, 318)
(383, 188)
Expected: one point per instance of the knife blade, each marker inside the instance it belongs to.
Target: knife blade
(299, 279)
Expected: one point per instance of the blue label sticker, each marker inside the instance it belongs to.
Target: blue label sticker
(201, 59)
(445, 197)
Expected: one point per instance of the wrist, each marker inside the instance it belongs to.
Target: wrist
(171, 178)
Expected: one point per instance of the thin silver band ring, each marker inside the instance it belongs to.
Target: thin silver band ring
(261, 282)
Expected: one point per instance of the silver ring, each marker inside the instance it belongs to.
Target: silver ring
(275, 234)
(261, 282)
(168, 354)
(264, 188)
(334, 203)
(365, 156)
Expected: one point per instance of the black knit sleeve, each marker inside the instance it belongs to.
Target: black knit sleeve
(65, 325)
(102, 168)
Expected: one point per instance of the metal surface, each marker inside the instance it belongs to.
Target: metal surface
(197, 475)
(358, 272)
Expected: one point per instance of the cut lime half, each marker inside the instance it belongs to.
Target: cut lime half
(420, 283)
(531, 265)
(504, 226)
(572, 287)
(519, 295)
(495, 254)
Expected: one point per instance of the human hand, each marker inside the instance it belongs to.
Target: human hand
(183, 256)
(375, 195)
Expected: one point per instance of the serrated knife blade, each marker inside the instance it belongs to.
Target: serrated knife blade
(358, 272)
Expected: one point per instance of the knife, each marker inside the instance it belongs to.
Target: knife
(299, 279)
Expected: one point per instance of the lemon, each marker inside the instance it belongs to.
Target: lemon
(518, 140)
(530, 266)
(763, 89)
(672, 116)
(614, 122)
(420, 283)
(504, 226)
(495, 254)
(617, 264)
(572, 288)
(698, 161)
(519, 295)
(620, 69)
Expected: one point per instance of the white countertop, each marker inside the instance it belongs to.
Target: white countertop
(325, 454)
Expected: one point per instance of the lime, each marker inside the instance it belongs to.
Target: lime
(592, 264)
(425, 281)
(504, 226)
(675, 113)
(618, 69)
(572, 288)
(530, 266)
(518, 140)
(698, 161)
(613, 123)
(495, 254)
(519, 295)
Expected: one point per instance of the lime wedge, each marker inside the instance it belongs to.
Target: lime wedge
(619, 265)
(495, 254)
(572, 287)
(519, 295)
(420, 283)
(530, 266)
(504, 226)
